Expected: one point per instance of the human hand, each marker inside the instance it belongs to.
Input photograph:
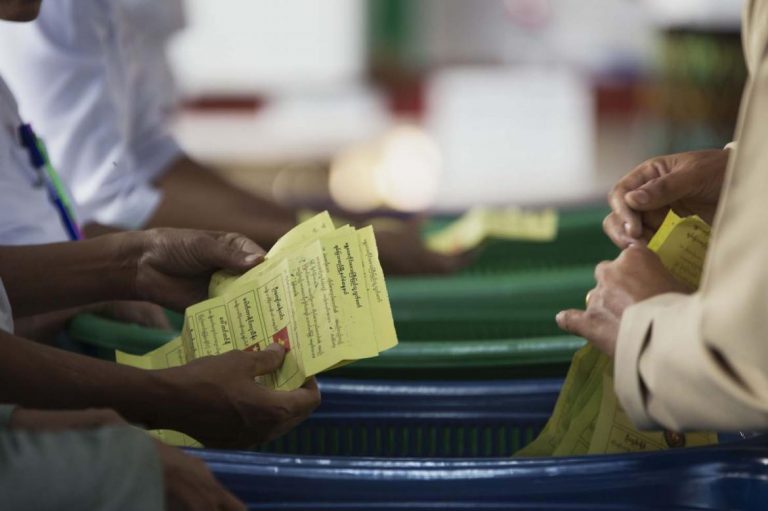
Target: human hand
(636, 275)
(174, 266)
(61, 420)
(219, 403)
(403, 252)
(689, 183)
(190, 485)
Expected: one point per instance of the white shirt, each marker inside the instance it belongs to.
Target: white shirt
(27, 217)
(6, 314)
(86, 73)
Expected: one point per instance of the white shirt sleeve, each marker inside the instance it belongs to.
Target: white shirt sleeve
(6, 313)
(77, 74)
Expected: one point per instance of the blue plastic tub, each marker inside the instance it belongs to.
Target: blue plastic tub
(732, 477)
(415, 419)
(343, 395)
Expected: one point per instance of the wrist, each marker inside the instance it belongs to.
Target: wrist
(128, 249)
(159, 399)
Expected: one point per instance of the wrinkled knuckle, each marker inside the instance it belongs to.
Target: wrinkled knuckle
(601, 268)
(633, 253)
(233, 238)
(607, 222)
(658, 187)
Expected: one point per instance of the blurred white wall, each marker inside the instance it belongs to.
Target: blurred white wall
(269, 47)
(512, 136)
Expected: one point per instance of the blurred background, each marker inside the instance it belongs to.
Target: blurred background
(438, 105)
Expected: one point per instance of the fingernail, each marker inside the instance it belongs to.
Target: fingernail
(252, 258)
(639, 196)
(275, 346)
(559, 317)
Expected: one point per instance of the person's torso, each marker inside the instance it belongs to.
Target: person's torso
(26, 213)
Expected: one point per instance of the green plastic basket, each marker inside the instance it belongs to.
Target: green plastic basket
(105, 335)
(580, 241)
(529, 289)
(470, 359)
(504, 306)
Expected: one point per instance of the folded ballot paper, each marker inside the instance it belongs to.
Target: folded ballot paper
(588, 418)
(480, 224)
(320, 292)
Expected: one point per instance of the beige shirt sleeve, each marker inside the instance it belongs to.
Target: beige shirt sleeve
(701, 361)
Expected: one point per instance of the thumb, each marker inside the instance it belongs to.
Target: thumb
(232, 251)
(268, 360)
(662, 191)
(572, 321)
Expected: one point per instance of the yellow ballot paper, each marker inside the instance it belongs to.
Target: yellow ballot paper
(582, 380)
(588, 418)
(168, 355)
(479, 224)
(614, 432)
(681, 244)
(320, 293)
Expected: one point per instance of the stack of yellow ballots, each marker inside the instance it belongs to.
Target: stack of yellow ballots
(320, 293)
(588, 418)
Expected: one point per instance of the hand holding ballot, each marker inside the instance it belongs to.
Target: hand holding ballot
(319, 294)
(176, 264)
(231, 410)
(588, 418)
(671, 263)
(688, 183)
(170, 267)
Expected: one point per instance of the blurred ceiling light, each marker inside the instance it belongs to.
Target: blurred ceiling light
(352, 182)
(408, 172)
(401, 170)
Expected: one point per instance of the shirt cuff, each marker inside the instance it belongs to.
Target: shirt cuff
(636, 333)
(5, 416)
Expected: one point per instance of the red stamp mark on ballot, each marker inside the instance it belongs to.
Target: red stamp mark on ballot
(281, 337)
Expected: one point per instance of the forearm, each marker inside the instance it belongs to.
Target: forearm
(45, 327)
(94, 230)
(42, 278)
(195, 197)
(37, 376)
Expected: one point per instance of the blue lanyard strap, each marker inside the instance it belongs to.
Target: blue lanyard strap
(57, 193)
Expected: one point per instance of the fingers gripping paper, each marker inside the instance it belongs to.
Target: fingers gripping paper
(588, 418)
(320, 293)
